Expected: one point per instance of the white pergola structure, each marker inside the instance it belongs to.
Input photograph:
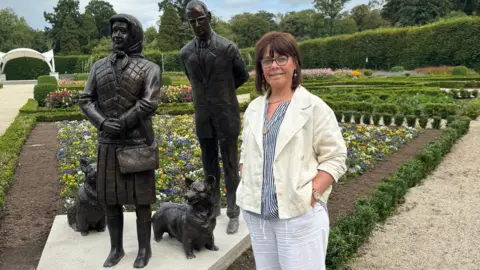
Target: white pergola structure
(25, 52)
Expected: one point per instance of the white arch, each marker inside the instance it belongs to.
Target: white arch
(24, 52)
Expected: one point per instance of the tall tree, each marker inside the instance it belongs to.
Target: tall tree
(248, 28)
(88, 32)
(179, 5)
(16, 33)
(330, 9)
(69, 41)
(366, 18)
(304, 24)
(222, 28)
(101, 12)
(415, 12)
(168, 37)
(64, 9)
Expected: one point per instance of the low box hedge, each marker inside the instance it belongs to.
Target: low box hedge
(30, 107)
(41, 91)
(11, 143)
(350, 232)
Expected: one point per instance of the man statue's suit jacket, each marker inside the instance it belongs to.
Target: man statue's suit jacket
(214, 86)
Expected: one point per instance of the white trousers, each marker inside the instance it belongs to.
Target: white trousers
(295, 243)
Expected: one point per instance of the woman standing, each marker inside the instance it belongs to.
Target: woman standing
(292, 152)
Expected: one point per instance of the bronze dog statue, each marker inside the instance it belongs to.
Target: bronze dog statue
(86, 214)
(192, 223)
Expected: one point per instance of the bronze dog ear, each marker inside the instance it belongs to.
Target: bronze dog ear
(83, 164)
(210, 180)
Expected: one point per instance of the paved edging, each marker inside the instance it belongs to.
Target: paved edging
(12, 98)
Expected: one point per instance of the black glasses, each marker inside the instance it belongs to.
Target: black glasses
(268, 62)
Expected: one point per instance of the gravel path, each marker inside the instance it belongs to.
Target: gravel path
(438, 227)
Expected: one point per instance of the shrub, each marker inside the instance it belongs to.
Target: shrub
(347, 116)
(440, 109)
(30, 107)
(436, 122)
(367, 119)
(460, 71)
(46, 80)
(464, 93)
(357, 117)
(450, 119)
(1, 85)
(399, 119)
(397, 69)
(80, 76)
(423, 121)
(411, 120)
(454, 93)
(166, 80)
(474, 93)
(368, 72)
(386, 108)
(376, 119)
(339, 115)
(472, 108)
(41, 91)
(387, 119)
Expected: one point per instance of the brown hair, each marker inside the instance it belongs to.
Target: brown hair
(282, 43)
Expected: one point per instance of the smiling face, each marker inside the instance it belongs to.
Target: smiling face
(120, 35)
(199, 21)
(278, 69)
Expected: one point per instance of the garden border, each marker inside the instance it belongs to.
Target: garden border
(346, 236)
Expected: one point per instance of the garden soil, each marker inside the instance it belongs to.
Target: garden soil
(32, 201)
(438, 226)
(342, 199)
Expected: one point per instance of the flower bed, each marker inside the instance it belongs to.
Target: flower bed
(176, 94)
(180, 154)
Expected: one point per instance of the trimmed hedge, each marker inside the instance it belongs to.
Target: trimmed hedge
(350, 232)
(11, 143)
(1, 85)
(409, 47)
(30, 107)
(26, 69)
(46, 80)
(41, 91)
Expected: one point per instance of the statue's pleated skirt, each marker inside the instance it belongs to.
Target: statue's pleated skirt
(115, 188)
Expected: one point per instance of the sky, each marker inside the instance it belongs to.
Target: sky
(147, 10)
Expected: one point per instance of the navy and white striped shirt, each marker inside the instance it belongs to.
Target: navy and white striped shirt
(271, 129)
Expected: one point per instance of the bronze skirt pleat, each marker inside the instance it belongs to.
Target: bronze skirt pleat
(115, 188)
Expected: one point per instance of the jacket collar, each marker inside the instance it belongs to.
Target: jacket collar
(295, 118)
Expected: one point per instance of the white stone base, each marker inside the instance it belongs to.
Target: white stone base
(3, 77)
(66, 249)
(54, 74)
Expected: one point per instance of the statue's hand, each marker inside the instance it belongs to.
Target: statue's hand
(112, 126)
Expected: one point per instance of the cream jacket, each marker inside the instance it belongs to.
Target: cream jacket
(309, 140)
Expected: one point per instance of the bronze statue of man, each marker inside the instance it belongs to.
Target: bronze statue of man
(215, 69)
(121, 96)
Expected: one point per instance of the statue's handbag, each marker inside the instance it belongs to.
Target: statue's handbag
(139, 158)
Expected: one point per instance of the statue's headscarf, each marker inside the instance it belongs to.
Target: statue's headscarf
(134, 44)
